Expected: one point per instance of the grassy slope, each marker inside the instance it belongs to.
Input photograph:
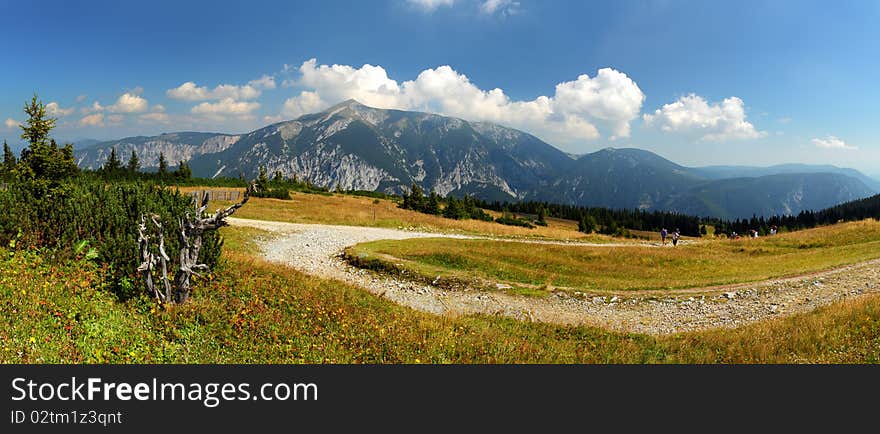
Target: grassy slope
(263, 313)
(633, 267)
(340, 209)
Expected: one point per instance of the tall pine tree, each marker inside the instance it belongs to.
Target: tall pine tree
(163, 166)
(134, 165)
(113, 165)
(9, 161)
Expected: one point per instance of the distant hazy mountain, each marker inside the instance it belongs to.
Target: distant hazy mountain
(724, 172)
(358, 147)
(787, 193)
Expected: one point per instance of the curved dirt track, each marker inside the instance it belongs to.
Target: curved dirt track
(314, 249)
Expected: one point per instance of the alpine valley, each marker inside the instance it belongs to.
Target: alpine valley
(352, 146)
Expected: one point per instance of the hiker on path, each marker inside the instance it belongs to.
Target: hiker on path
(663, 234)
(675, 236)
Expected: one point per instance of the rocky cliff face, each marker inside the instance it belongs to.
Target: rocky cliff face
(175, 146)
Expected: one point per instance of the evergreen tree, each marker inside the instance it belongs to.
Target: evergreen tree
(279, 178)
(417, 198)
(587, 224)
(38, 125)
(9, 161)
(453, 209)
(113, 165)
(183, 171)
(263, 180)
(163, 166)
(43, 159)
(433, 205)
(134, 165)
(542, 216)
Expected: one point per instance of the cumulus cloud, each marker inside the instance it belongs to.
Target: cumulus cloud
(430, 5)
(579, 109)
(692, 114)
(831, 142)
(155, 117)
(226, 107)
(306, 102)
(92, 120)
(189, 91)
(94, 108)
(81, 98)
(55, 110)
(264, 82)
(10, 123)
(129, 103)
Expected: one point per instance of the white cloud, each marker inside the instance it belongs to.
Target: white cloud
(10, 123)
(129, 103)
(155, 117)
(93, 120)
(81, 98)
(306, 102)
(55, 110)
(94, 108)
(189, 91)
(831, 142)
(273, 119)
(264, 82)
(430, 5)
(692, 114)
(503, 7)
(578, 110)
(227, 106)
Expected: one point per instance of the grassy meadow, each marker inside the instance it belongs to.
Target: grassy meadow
(628, 268)
(349, 210)
(251, 311)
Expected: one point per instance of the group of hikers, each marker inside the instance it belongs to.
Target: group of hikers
(753, 233)
(675, 236)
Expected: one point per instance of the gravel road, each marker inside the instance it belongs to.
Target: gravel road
(315, 249)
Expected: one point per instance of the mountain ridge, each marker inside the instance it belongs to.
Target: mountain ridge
(353, 146)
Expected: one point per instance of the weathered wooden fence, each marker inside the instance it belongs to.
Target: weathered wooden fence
(230, 195)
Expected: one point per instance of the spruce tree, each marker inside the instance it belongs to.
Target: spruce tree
(163, 166)
(113, 165)
(183, 171)
(9, 161)
(542, 216)
(134, 165)
(433, 205)
(43, 159)
(417, 198)
(38, 124)
(262, 179)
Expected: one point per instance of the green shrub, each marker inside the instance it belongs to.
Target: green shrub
(105, 216)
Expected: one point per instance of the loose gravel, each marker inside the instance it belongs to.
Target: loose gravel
(315, 249)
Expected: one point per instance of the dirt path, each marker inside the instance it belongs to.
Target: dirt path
(314, 249)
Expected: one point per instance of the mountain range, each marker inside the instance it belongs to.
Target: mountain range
(353, 146)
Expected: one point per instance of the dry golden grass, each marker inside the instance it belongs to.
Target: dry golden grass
(340, 209)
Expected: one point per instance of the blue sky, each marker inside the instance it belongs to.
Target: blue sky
(702, 82)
